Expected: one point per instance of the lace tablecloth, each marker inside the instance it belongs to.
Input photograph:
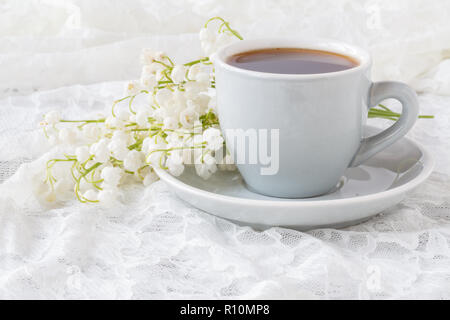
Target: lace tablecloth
(156, 246)
(153, 245)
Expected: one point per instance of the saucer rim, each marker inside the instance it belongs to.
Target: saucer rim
(427, 162)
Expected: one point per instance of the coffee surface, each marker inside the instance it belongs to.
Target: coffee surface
(292, 61)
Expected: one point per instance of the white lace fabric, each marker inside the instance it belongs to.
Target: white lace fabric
(153, 245)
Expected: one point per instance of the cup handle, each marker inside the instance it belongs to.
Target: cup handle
(378, 92)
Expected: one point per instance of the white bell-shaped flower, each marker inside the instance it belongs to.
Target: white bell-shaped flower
(178, 73)
(133, 161)
(111, 176)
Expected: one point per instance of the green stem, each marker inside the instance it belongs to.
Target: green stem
(386, 113)
(87, 121)
(49, 165)
(136, 145)
(162, 63)
(227, 25)
(129, 105)
(426, 117)
(188, 64)
(170, 60)
(116, 102)
(77, 184)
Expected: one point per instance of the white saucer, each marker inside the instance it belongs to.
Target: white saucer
(363, 192)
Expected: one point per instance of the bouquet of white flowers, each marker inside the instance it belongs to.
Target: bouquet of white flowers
(177, 126)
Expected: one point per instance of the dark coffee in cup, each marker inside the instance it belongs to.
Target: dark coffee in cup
(292, 61)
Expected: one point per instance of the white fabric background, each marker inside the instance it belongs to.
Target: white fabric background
(74, 55)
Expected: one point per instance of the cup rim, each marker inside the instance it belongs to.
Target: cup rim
(360, 55)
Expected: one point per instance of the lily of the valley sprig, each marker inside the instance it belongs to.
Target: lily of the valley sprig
(175, 127)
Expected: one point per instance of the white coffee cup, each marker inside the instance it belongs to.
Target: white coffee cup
(319, 117)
